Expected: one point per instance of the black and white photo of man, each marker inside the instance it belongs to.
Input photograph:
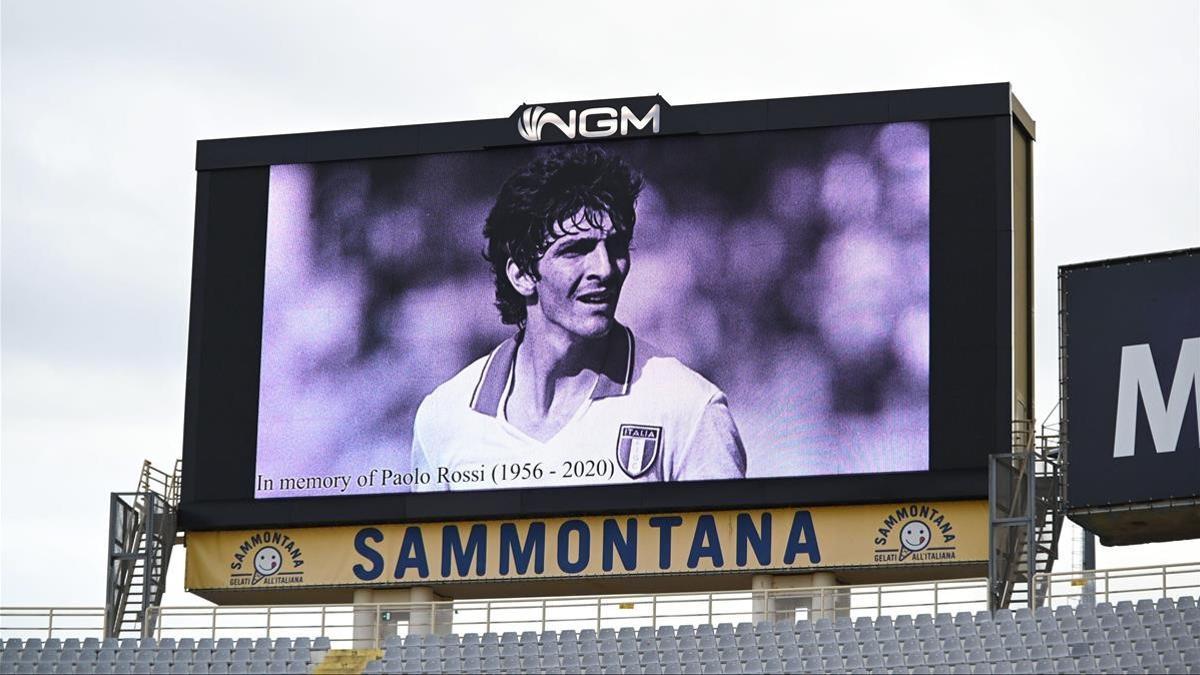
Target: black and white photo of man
(572, 390)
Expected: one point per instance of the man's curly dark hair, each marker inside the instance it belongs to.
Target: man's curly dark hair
(563, 192)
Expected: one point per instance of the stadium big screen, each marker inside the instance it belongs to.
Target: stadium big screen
(604, 307)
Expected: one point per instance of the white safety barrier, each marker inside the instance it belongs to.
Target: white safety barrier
(368, 625)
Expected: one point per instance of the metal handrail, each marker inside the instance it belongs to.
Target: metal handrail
(346, 624)
(1096, 586)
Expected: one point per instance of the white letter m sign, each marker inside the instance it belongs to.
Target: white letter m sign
(1138, 374)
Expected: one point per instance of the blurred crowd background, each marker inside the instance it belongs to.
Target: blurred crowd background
(791, 268)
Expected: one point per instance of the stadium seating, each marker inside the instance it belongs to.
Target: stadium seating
(166, 656)
(1146, 637)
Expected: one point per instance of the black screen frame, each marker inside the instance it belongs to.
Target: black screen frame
(1143, 290)
(970, 326)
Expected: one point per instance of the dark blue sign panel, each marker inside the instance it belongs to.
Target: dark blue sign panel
(1131, 328)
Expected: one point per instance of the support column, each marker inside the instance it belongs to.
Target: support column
(778, 597)
(366, 620)
(379, 613)
(824, 604)
(762, 604)
(443, 619)
(1089, 569)
(421, 615)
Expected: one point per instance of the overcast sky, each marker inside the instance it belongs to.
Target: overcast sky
(102, 104)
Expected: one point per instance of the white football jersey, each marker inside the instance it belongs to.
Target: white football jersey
(649, 418)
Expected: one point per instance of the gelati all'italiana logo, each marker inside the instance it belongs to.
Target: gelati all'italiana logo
(267, 558)
(917, 533)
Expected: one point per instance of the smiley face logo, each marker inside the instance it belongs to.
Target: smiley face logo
(267, 561)
(914, 536)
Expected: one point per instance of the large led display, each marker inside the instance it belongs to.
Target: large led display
(609, 307)
(674, 309)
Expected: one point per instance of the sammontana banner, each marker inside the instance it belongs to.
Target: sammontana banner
(824, 537)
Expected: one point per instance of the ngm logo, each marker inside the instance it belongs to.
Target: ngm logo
(597, 122)
(1164, 414)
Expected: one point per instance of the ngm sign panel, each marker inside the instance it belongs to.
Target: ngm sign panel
(919, 534)
(1132, 337)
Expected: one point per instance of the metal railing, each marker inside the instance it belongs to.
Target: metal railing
(159, 482)
(366, 626)
(1121, 584)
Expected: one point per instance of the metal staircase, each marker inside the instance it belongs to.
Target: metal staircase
(141, 535)
(1026, 505)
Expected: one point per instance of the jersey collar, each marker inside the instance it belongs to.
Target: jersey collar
(612, 380)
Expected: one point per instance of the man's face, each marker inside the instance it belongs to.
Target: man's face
(581, 277)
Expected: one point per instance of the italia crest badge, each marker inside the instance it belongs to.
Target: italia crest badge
(638, 447)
